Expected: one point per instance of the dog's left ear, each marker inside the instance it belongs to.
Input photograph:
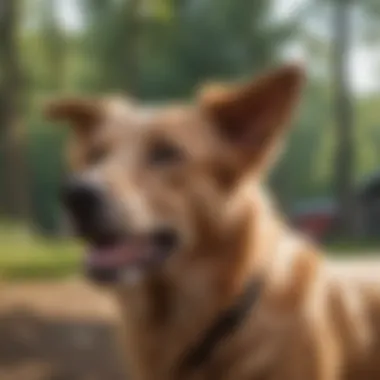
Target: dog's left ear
(81, 114)
(252, 117)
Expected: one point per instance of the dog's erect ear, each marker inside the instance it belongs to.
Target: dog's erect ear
(252, 117)
(82, 114)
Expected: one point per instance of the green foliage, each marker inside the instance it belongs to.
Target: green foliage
(45, 151)
(302, 171)
(164, 49)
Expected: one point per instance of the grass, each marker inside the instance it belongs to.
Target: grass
(24, 256)
(352, 247)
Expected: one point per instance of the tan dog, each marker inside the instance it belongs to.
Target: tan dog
(212, 283)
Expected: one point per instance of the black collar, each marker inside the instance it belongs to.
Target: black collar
(225, 325)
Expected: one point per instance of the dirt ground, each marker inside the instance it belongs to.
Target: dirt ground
(58, 331)
(61, 330)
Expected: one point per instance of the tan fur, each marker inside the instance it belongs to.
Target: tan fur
(315, 320)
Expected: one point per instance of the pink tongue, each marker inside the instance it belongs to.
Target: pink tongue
(122, 254)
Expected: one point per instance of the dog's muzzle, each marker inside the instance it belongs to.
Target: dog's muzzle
(114, 248)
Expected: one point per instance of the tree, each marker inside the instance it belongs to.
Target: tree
(344, 113)
(168, 47)
(54, 44)
(113, 40)
(14, 200)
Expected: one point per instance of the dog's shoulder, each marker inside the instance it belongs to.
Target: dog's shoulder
(352, 289)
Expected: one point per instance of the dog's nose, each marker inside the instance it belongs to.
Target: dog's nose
(83, 200)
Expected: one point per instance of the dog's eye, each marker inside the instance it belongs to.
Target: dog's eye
(96, 155)
(163, 153)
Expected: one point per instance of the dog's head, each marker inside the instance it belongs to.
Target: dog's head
(150, 187)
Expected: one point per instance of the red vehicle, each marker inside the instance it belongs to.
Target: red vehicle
(315, 218)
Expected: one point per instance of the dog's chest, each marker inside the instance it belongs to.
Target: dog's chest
(249, 353)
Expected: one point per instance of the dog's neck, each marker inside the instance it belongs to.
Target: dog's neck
(159, 312)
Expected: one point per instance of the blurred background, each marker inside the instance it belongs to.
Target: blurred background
(327, 182)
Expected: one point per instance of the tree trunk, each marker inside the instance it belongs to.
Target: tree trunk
(344, 164)
(133, 11)
(14, 200)
(55, 46)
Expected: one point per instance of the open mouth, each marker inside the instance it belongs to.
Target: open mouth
(109, 262)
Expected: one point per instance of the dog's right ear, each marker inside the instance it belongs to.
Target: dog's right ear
(252, 118)
(82, 114)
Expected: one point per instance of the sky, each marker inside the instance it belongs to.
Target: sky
(363, 64)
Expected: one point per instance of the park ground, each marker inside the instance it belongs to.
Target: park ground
(53, 325)
(58, 330)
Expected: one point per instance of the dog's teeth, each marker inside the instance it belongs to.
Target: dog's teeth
(132, 276)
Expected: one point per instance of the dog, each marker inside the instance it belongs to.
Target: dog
(211, 282)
